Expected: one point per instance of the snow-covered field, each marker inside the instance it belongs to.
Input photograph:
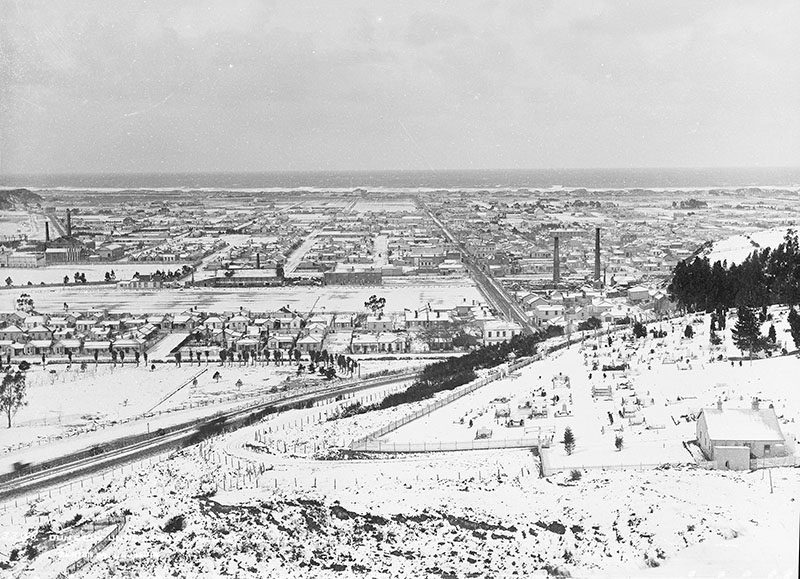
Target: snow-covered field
(63, 402)
(412, 295)
(13, 223)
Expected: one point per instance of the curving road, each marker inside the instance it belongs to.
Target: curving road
(134, 448)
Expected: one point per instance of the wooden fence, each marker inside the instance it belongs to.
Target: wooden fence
(94, 550)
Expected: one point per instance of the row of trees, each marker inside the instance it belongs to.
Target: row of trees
(769, 276)
(454, 372)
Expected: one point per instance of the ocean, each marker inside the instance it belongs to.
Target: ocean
(449, 179)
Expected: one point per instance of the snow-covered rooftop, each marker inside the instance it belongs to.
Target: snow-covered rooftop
(742, 424)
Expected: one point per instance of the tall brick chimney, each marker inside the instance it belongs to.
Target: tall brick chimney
(47, 232)
(556, 262)
(597, 258)
(69, 223)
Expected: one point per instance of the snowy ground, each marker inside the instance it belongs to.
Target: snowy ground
(13, 223)
(737, 248)
(481, 514)
(412, 294)
(64, 403)
(279, 499)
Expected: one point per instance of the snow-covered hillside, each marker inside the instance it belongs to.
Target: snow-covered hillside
(507, 522)
(736, 249)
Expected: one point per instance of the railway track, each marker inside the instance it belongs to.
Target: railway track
(491, 290)
(123, 451)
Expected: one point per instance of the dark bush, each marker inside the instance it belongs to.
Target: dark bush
(175, 524)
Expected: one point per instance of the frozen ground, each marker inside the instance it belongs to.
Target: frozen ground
(409, 294)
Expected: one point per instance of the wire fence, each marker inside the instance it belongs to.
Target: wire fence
(239, 473)
(94, 550)
(459, 392)
(439, 446)
(79, 484)
(754, 463)
(774, 462)
(549, 468)
(263, 395)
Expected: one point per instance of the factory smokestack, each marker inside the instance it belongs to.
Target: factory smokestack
(597, 258)
(258, 261)
(556, 262)
(47, 232)
(69, 223)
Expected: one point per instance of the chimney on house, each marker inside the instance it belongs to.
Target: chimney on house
(754, 404)
(597, 258)
(47, 232)
(69, 223)
(556, 262)
(719, 404)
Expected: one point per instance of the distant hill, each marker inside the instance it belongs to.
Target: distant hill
(11, 198)
(736, 249)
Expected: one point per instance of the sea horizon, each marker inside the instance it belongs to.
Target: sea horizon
(610, 178)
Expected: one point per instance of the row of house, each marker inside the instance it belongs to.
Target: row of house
(97, 330)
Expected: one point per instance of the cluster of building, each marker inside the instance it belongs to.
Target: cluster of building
(98, 333)
(568, 308)
(527, 241)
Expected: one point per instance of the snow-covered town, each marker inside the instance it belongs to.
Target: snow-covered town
(370, 289)
(650, 438)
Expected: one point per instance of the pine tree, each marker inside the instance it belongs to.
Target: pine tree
(794, 326)
(746, 332)
(569, 440)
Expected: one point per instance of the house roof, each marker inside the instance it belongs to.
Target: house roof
(742, 424)
(39, 329)
(96, 345)
(128, 343)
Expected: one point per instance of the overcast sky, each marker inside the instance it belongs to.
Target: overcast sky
(250, 85)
